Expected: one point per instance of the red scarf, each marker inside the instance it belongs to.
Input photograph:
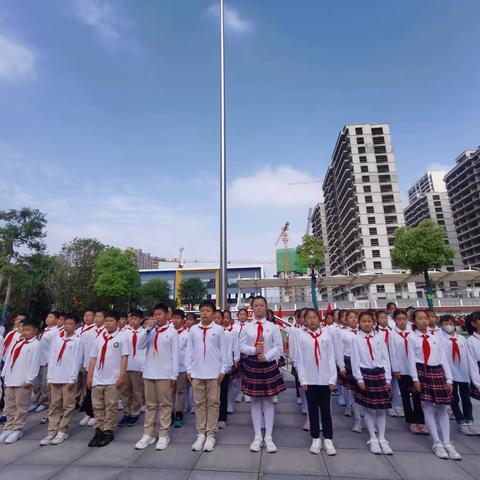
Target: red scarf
(370, 349)
(354, 330)
(241, 328)
(387, 333)
(259, 332)
(229, 329)
(8, 341)
(62, 332)
(455, 349)
(86, 328)
(404, 336)
(134, 342)
(62, 350)
(316, 347)
(16, 351)
(99, 331)
(181, 330)
(204, 340)
(106, 339)
(155, 341)
(426, 350)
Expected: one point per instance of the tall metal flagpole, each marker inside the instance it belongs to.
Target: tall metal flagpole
(223, 170)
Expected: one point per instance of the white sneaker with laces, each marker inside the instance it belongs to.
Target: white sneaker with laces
(60, 437)
(4, 435)
(84, 421)
(230, 408)
(14, 437)
(91, 422)
(374, 446)
(452, 452)
(306, 425)
(392, 412)
(144, 442)
(32, 408)
(357, 427)
(162, 443)
(400, 412)
(209, 444)
(221, 424)
(473, 428)
(316, 446)
(275, 399)
(257, 444)
(329, 448)
(385, 446)
(40, 408)
(270, 446)
(247, 399)
(199, 442)
(348, 412)
(465, 429)
(440, 452)
(47, 440)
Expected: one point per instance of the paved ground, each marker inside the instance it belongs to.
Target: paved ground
(232, 460)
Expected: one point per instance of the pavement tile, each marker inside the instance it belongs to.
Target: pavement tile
(289, 437)
(280, 476)
(29, 472)
(229, 458)
(471, 465)
(293, 461)
(90, 473)
(11, 453)
(210, 475)
(154, 474)
(235, 435)
(176, 456)
(117, 454)
(62, 454)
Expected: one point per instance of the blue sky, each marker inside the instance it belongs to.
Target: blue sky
(109, 109)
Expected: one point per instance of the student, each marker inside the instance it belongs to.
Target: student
(106, 377)
(317, 372)
(239, 325)
(180, 390)
(190, 320)
(88, 324)
(432, 378)
(66, 357)
(371, 369)
(261, 342)
(12, 336)
(472, 325)
(19, 372)
(206, 361)
(399, 356)
(133, 388)
(123, 322)
(432, 322)
(391, 309)
(291, 352)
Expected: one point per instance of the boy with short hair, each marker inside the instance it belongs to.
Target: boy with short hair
(106, 376)
(88, 324)
(179, 393)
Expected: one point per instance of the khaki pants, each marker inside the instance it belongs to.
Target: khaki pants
(105, 406)
(132, 394)
(17, 401)
(62, 407)
(158, 402)
(40, 388)
(179, 393)
(206, 396)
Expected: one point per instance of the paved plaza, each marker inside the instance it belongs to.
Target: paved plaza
(231, 459)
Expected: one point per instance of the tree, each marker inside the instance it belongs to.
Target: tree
(422, 248)
(153, 292)
(312, 254)
(21, 232)
(117, 276)
(192, 291)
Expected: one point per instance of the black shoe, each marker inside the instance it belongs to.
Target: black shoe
(96, 439)
(107, 437)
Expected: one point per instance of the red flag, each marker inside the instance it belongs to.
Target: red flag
(329, 308)
(279, 321)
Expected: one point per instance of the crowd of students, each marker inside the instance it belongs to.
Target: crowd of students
(401, 363)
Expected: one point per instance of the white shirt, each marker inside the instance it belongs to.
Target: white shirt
(45, 340)
(362, 358)
(26, 367)
(232, 346)
(182, 348)
(8, 343)
(273, 346)
(344, 345)
(239, 326)
(399, 351)
(66, 370)
(206, 360)
(117, 347)
(437, 354)
(309, 373)
(460, 369)
(434, 331)
(89, 338)
(293, 334)
(473, 343)
(136, 359)
(161, 358)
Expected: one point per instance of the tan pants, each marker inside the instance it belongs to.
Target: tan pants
(17, 401)
(62, 407)
(206, 396)
(105, 406)
(179, 392)
(132, 394)
(40, 388)
(158, 402)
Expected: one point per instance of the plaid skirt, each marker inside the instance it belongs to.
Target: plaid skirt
(348, 381)
(434, 384)
(377, 394)
(261, 379)
(474, 392)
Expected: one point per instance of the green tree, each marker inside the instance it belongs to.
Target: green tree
(312, 254)
(22, 232)
(153, 292)
(420, 249)
(192, 291)
(117, 276)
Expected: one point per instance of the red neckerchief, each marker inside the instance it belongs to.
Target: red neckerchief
(134, 341)
(98, 331)
(426, 349)
(204, 329)
(386, 331)
(316, 347)
(229, 329)
(8, 341)
(370, 349)
(455, 349)
(181, 330)
(62, 350)
(259, 332)
(404, 335)
(86, 328)
(159, 330)
(16, 350)
(106, 339)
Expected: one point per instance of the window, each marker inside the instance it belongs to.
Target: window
(387, 199)
(437, 203)
(359, 131)
(391, 219)
(365, 178)
(377, 131)
(380, 288)
(364, 169)
(368, 199)
(372, 231)
(367, 188)
(378, 140)
(371, 220)
(391, 241)
(389, 209)
(360, 141)
(385, 188)
(383, 169)
(384, 178)
(370, 209)
(361, 149)
(374, 242)
(376, 253)
(363, 159)
(381, 149)
(439, 215)
(391, 230)
(436, 197)
(441, 222)
(438, 209)
(381, 158)
(377, 265)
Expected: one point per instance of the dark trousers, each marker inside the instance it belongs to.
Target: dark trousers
(464, 389)
(297, 383)
(222, 414)
(318, 396)
(87, 403)
(412, 414)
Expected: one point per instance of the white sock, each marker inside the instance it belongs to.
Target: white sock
(381, 424)
(370, 422)
(256, 410)
(429, 413)
(268, 415)
(443, 422)
(356, 411)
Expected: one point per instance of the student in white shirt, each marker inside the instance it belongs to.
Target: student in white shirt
(19, 372)
(206, 361)
(66, 356)
(12, 336)
(317, 372)
(159, 376)
(88, 324)
(472, 324)
(106, 376)
(238, 326)
(180, 390)
(432, 322)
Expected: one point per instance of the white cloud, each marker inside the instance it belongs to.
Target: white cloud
(269, 188)
(17, 61)
(234, 22)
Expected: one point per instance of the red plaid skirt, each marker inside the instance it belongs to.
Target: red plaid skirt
(474, 392)
(377, 394)
(348, 381)
(434, 384)
(261, 379)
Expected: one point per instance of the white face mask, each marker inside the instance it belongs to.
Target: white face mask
(449, 329)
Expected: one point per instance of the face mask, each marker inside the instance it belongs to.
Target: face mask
(449, 329)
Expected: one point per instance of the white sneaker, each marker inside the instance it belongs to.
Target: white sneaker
(120, 405)
(374, 446)
(473, 428)
(14, 437)
(357, 427)
(400, 412)
(247, 399)
(329, 448)
(4, 435)
(452, 452)
(209, 444)
(299, 401)
(221, 424)
(257, 444)
(440, 452)
(392, 412)
(162, 443)
(84, 421)
(91, 422)
(385, 446)
(199, 442)
(230, 408)
(275, 399)
(32, 408)
(40, 408)
(304, 410)
(306, 425)
(144, 442)
(348, 412)
(60, 437)
(270, 446)
(316, 446)
(47, 440)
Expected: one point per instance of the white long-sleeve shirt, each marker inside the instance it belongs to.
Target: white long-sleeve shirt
(473, 343)
(309, 373)
(437, 354)
(239, 326)
(66, 369)
(8, 343)
(25, 369)
(399, 351)
(136, 359)
(89, 339)
(45, 340)
(206, 354)
(362, 358)
(182, 348)
(232, 347)
(344, 342)
(293, 334)
(460, 367)
(161, 359)
(272, 347)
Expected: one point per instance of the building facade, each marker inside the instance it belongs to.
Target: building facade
(144, 259)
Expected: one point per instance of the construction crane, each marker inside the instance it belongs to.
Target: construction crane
(284, 238)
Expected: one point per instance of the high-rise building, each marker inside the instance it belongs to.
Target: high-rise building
(145, 261)
(429, 200)
(362, 203)
(463, 186)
